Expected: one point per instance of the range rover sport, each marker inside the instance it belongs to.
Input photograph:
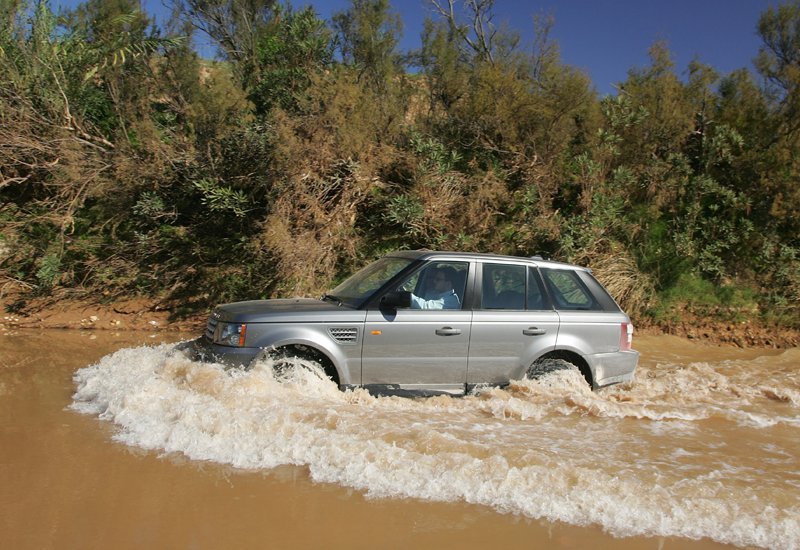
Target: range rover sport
(423, 323)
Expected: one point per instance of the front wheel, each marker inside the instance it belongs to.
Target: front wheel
(296, 362)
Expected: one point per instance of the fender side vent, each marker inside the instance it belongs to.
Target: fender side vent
(344, 335)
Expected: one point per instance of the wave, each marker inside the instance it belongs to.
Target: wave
(636, 459)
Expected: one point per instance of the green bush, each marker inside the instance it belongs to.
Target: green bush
(693, 294)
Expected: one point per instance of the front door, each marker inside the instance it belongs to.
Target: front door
(421, 350)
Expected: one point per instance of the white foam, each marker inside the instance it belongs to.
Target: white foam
(544, 449)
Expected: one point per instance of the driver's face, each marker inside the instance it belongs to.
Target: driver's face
(439, 281)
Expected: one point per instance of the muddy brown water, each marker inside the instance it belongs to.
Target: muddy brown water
(113, 440)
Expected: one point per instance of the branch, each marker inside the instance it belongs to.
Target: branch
(482, 26)
(12, 181)
(71, 123)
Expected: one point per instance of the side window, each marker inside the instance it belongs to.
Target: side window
(536, 296)
(503, 286)
(437, 285)
(568, 291)
(601, 294)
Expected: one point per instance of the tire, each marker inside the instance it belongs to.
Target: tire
(546, 366)
(286, 360)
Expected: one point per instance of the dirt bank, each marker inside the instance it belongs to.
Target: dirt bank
(745, 334)
(88, 314)
(150, 315)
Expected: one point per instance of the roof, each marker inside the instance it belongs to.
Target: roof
(434, 254)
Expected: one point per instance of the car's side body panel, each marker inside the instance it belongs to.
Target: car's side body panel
(416, 349)
(595, 336)
(339, 342)
(590, 332)
(505, 343)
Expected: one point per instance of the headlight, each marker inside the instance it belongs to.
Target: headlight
(230, 334)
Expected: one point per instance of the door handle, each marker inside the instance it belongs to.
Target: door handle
(533, 331)
(448, 331)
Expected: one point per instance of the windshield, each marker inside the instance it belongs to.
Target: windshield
(357, 288)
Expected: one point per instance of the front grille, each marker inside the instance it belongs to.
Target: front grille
(211, 328)
(344, 335)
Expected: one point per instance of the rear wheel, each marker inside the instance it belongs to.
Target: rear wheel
(554, 363)
(546, 366)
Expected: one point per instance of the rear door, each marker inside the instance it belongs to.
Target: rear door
(512, 325)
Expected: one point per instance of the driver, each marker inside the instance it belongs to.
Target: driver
(442, 295)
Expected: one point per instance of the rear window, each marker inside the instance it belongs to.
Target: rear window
(569, 292)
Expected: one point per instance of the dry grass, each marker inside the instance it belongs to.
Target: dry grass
(312, 228)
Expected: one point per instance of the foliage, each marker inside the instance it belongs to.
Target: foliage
(130, 165)
(219, 198)
(702, 297)
(292, 48)
(367, 37)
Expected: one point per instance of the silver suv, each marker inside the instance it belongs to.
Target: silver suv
(422, 323)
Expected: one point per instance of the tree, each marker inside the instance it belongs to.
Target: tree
(480, 34)
(443, 64)
(234, 25)
(779, 59)
(367, 35)
(291, 48)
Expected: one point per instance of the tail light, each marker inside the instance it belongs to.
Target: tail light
(625, 336)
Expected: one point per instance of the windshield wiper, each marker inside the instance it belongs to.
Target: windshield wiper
(332, 298)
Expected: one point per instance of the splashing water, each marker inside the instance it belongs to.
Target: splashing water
(693, 450)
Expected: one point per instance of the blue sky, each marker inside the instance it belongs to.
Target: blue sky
(605, 38)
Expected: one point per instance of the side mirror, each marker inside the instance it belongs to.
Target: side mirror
(396, 299)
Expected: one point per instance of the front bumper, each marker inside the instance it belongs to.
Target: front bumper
(202, 349)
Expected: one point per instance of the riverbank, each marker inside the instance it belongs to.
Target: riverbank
(140, 314)
(751, 333)
(143, 314)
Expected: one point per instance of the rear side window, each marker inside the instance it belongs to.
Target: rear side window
(568, 291)
(511, 287)
(503, 286)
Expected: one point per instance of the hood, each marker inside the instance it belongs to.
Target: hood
(291, 310)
